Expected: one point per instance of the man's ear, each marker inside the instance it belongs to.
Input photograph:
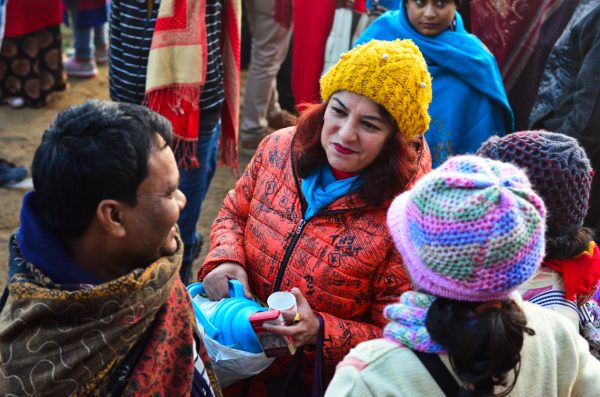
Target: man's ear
(110, 214)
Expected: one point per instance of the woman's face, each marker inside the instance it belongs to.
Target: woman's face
(354, 132)
(430, 17)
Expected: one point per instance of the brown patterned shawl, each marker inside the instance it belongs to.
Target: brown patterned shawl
(59, 342)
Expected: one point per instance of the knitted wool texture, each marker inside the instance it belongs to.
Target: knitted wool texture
(471, 230)
(390, 73)
(407, 324)
(558, 169)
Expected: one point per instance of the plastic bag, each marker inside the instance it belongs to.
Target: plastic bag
(232, 365)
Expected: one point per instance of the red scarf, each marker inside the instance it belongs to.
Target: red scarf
(337, 174)
(169, 348)
(177, 71)
(581, 274)
(231, 20)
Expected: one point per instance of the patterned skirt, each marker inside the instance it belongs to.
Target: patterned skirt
(31, 67)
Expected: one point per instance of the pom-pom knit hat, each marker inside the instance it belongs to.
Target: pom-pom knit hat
(471, 230)
(390, 73)
(558, 169)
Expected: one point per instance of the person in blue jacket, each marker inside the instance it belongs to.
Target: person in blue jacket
(469, 101)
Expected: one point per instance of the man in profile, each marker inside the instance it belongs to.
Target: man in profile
(94, 303)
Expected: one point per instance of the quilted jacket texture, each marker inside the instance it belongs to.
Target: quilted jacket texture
(343, 259)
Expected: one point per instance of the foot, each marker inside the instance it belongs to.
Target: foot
(16, 102)
(101, 55)
(282, 119)
(10, 173)
(80, 68)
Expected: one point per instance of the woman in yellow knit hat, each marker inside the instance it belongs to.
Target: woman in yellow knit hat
(308, 214)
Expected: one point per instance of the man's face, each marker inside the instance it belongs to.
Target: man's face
(150, 224)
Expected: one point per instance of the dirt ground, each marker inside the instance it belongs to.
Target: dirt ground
(20, 134)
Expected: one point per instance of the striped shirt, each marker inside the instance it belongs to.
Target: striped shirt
(131, 31)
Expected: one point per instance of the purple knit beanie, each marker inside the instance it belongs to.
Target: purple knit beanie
(558, 169)
(471, 230)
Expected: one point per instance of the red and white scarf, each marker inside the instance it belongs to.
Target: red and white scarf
(177, 71)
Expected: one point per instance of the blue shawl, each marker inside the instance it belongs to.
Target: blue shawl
(469, 102)
(321, 188)
(40, 246)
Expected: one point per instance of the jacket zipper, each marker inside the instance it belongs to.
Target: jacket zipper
(288, 254)
(297, 232)
(290, 249)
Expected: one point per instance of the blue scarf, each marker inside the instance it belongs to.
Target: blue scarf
(321, 189)
(40, 246)
(469, 102)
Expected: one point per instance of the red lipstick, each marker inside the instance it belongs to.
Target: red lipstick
(342, 149)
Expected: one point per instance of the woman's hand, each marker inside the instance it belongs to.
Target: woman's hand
(303, 332)
(216, 283)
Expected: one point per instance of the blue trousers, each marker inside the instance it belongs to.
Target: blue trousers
(194, 183)
(82, 41)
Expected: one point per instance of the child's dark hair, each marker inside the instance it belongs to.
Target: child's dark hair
(568, 245)
(482, 347)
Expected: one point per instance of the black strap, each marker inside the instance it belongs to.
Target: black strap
(439, 372)
(291, 385)
(4, 298)
(319, 370)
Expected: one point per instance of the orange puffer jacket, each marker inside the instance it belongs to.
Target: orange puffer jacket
(343, 259)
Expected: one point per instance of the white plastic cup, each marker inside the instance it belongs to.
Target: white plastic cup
(282, 300)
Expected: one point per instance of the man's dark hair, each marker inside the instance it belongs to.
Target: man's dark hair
(92, 152)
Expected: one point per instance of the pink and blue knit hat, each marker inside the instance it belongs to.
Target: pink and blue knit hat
(471, 230)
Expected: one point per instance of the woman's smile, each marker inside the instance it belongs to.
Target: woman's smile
(342, 149)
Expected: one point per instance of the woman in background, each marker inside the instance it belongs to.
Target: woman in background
(469, 102)
(31, 66)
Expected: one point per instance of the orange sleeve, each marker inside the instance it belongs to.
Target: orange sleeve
(227, 231)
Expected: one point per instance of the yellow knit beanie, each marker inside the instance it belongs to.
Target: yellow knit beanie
(390, 73)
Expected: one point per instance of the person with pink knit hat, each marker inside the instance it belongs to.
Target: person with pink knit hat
(470, 233)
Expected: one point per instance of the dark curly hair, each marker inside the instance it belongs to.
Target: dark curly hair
(482, 348)
(92, 152)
